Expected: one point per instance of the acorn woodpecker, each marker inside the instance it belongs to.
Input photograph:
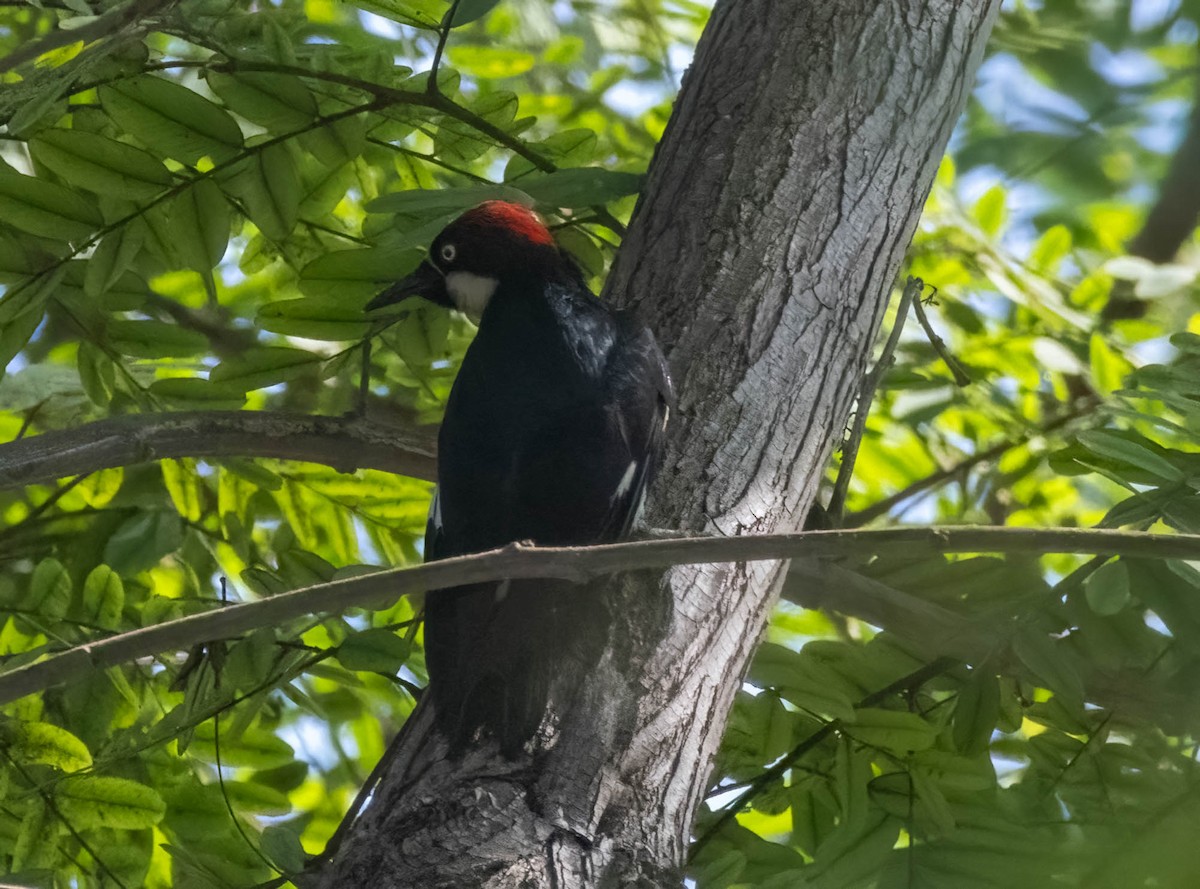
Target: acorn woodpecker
(553, 429)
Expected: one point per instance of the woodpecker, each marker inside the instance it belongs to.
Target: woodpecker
(553, 428)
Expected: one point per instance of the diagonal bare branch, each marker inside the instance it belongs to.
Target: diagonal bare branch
(344, 443)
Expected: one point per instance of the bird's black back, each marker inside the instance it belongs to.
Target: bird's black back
(552, 431)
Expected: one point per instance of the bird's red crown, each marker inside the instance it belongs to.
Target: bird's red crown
(514, 218)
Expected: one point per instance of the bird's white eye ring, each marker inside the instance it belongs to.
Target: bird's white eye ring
(448, 252)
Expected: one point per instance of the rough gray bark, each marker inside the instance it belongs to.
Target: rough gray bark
(772, 227)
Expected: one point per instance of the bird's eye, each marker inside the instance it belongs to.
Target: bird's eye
(448, 252)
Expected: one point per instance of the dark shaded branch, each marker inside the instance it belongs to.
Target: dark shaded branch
(1173, 217)
(224, 340)
(345, 444)
(1170, 221)
(577, 564)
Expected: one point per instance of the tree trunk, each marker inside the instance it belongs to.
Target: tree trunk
(777, 212)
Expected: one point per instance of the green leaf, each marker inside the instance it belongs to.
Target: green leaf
(1048, 662)
(1050, 250)
(354, 276)
(185, 488)
(97, 163)
(376, 650)
(248, 796)
(468, 11)
(279, 102)
(462, 142)
(976, 711)
(21, 257)
(582, 249)
(1109, 367)
(893, 730)
(192, 230)
(43, 743)
(46, 209)
(263, 367)
(336, 143)
(1107, 588)
(803, 681)
(250, 660)
(581, 187)
(142, 540)
(335, 320)
(99, 488)
(428, 202)
(282, 846)
(15, 335)
(198, 394)
(112, 258)
(418, 13)
(263, 582)
(31, 835)
(89, 802)
(269, 188)
(254, 748)
(989, 210)
(422, 336)
(568, 148)
(155, 339)
(103, 597)
(491, 62)
(722, 872)
(171, 119)
(1115, 447)
(50, 589)
(953, 772)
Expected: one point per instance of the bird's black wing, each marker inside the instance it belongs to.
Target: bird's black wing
(640, 399)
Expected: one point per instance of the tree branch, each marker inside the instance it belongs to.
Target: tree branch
(114, 21)
(961, 378)
(345, 444)
(1083, 408)
(905, 683)
(577, 564)
(866, 395)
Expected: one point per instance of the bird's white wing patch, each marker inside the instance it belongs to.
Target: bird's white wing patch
(626, 482)
(435, 512)
(470, 292)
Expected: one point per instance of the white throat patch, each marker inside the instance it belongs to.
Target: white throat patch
(470, 292)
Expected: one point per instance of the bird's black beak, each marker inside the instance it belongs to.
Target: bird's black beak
(425, 281)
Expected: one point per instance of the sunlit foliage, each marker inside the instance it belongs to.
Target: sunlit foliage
(196, 201)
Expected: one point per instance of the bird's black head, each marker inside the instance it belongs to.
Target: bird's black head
(474, 253)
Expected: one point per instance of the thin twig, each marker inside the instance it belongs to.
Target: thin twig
(866, 395)
(52, 805)
(961, 377)
(430, 159)
(38, 510)
(443, 36)
(578, 564)
(1083, 408)
(913, 680)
